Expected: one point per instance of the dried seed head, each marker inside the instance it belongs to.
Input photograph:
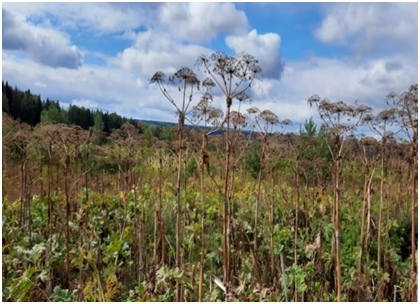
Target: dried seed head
(158, 77)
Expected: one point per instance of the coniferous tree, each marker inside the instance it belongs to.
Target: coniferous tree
(5, 103)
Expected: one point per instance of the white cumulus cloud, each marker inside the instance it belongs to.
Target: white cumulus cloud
(201, 22)
(370, 27)
(45, 45)
(264, 47)
(86, 103)
(98, 18)
(155, 51)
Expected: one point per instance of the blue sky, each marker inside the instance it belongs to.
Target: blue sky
(102, 55)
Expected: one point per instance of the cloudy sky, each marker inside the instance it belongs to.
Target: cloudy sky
(102, 55)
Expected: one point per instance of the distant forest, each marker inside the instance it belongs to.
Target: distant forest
(31, 109)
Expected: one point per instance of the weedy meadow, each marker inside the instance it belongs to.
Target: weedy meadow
(226, 205)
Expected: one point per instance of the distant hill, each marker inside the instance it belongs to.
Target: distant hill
(157, 123)
(165, 124)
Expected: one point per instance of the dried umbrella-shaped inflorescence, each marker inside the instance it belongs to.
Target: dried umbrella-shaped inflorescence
(208, 83)
(215, 117)
(383, 121)
(253, 110)
(158, 77)
(203, 107)
(286, 122)
(333, 114)
(233, 75)
(269, 117)
(205, 111)
(387, 115)
(242, 97)
(368, 141)
(371, 145)
(368, 118)
(264, 119)
(223, 64)
(186, 76)
(238, 119)
(249, 66)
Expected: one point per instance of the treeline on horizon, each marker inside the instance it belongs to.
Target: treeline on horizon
(31, 109)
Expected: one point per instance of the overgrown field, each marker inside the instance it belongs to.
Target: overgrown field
(119, 201)
(214, 213)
